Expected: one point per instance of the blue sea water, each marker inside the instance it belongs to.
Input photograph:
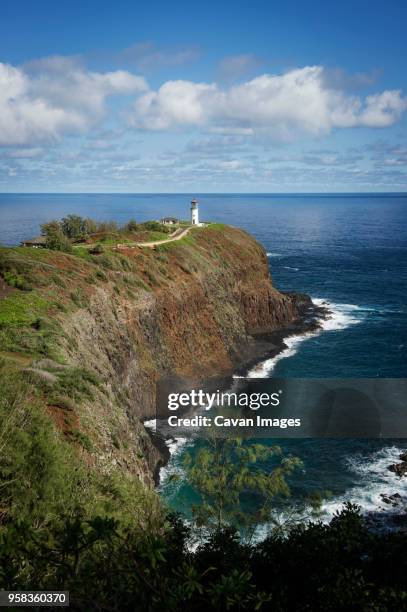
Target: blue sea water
(347, 249)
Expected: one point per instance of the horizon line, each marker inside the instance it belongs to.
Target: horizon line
(188, 193)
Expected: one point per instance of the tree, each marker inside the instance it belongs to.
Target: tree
(90, 226)
(73, 226)
(236, 486)
(108, 227)
(132, 226)
(155, 226)
(55, 238)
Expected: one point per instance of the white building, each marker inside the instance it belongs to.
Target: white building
(194, 213)
(169, 221)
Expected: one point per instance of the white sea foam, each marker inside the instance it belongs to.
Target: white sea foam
(374, 480)
(175, 446)
(291, 268)
(172, 468)
(151, 424)
(273, 254)
(340, 317)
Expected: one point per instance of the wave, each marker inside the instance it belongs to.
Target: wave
(340, 317)
(151, 424)
(172, 474)
(291, 268)
(273, 254)
(375, 481)
(174, 445)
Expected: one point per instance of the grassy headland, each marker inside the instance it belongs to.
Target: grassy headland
(85, 333)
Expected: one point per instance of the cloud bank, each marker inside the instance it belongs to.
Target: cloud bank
(58, 96)
(298, 101)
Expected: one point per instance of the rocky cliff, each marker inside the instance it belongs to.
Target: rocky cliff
(114, 323)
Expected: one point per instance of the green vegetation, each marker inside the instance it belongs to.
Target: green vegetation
(42, 476)
(16, 280)
(77, 228)
(97, 249)
(187, 240)
(131, 226)
(56, 239)
(74, 230)
(227, 473)
(76, 383)
(106, 538)
(156, 226)
(74, 516)
(21, 310)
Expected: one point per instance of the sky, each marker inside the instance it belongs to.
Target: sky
(233, 96)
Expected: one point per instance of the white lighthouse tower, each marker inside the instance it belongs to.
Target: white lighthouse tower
(194, 212)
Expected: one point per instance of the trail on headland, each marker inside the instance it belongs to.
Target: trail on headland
(177, 235)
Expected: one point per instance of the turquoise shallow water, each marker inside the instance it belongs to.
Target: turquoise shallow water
(348, 249)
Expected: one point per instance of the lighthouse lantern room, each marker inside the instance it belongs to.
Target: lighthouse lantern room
(194, 212)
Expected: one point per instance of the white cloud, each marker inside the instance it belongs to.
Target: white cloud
(298, 101)
(383, 109)
(42, 102)
(175, 103)
(48, 98)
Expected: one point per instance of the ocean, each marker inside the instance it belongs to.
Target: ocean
(349, 250)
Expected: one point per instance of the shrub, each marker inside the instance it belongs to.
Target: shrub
(90, 226)
(74, 227)
(155, 226)
(97, 249)
(82, 439)
(101, 275)
(79, 298)
(131, 226)
(107, 564)
(76, 383)
(56, 240)
(151, 277)
(108, 227)
(17, 280)
(34, 468)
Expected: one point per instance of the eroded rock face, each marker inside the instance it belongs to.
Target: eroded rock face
(198, 317)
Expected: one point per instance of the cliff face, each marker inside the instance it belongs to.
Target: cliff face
(191, 308)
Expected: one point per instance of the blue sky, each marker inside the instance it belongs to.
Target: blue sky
(218, 96)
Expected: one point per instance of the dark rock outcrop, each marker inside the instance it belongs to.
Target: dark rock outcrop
(399, 468)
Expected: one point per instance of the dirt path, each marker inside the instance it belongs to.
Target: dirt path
(177, 235)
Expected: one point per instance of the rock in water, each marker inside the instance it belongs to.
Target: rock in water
(399, 468)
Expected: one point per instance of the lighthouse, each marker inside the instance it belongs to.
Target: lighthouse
(194, 213)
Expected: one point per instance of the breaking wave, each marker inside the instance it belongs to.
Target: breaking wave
(340, 317)
(373, 482)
